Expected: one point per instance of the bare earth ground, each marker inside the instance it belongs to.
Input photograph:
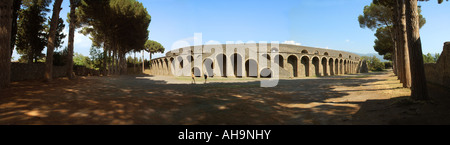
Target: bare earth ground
(374, 98)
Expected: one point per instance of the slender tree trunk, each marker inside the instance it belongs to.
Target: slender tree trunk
(105, 57)
(404, 46)
(143, 61)
(109, 60)
(394, 35)
(51, 40)
(16, 8)
(418, 82)
(71, 39)
(5, 40)
(134, 62)
(30, 55)
(400, 48)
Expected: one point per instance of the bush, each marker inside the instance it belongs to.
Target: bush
(374, 64)
(388, 64)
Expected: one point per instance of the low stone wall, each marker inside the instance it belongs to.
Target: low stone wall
(439, 72)
(83, 71)
(34, 71)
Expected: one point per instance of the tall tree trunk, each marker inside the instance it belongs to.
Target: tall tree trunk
(51, 40)
(394, 36)
(134, 62)
(143, 62)
(400, 48)
(71, 37)
(105, 60)
(15, 14)
(404, 46)
(5, 40)
(418, 82)
(30, 55)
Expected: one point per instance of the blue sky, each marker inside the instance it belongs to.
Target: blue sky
(318, 23)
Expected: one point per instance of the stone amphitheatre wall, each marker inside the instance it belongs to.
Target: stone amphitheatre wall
(439, 72)
(238, 61)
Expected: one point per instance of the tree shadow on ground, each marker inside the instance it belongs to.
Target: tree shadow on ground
(405, 111)
(136, 100)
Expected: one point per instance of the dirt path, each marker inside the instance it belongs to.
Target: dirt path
(351, 99)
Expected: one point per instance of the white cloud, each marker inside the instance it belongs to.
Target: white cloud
(347, 40)
(291, 42)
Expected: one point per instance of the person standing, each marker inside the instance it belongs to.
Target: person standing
(193, 78)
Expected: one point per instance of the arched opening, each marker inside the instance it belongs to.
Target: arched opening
(180, 60)
(304, 51)
(316, 64)
(280, 60)
(266, 73)
(274, 50)
(208, 67)
(331, 64)
(340, 55)
(305, 66)
(251, 68)
(292, 66)
(324, 67)
(316, 52)
(222, 62)
(336, 65)
(196, 72)
(172, 66)
(345, 67)
(341, 67)
(326, 53)
(236, 61)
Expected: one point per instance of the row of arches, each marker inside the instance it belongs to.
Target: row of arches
(236, 66)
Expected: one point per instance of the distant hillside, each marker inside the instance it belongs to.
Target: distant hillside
(372, 54)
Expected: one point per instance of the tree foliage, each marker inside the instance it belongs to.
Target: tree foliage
(31, 35)
(33, 30)
(120, 25)
(379, 16)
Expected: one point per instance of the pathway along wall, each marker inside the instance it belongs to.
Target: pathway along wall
(248, 60)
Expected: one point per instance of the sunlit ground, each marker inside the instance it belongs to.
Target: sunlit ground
(352, 99)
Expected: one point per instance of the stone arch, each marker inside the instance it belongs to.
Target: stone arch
(208, 66)
(304, 51)
(324, 66)
(251, 68)
(280, 60)
(274, 50)
(171, 65)
(316, 65)
(221, 60)
(180, 62)
(236, 62)
(331, 65)
(336, 65)
(345, 67)
(304, 66)
(316, 52)
(341, 66)
(292, 66)
(265, 73)
(340, 55)
(326, 53)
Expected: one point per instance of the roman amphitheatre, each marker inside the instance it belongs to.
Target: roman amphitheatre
(249, 60)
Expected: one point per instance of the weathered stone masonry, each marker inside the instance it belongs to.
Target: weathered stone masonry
(293, 61)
